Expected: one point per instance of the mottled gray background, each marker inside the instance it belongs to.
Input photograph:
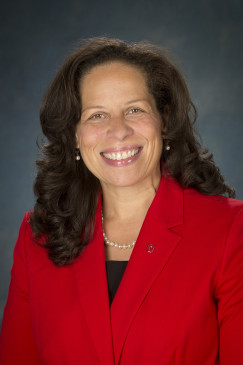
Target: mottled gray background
(206, 35)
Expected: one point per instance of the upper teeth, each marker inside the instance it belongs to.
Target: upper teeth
(121, 155)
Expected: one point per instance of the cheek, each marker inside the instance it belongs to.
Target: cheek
(152, 128)
(88, 137)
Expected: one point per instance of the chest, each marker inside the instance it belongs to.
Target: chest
(164, 304)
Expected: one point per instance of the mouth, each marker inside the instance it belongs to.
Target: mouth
(121, 155)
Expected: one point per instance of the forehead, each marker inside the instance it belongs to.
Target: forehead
(113, 76)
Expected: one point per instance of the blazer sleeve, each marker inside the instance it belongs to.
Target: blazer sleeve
(230, 296)
(17, 344)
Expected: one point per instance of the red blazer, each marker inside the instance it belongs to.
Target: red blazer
(180, 300)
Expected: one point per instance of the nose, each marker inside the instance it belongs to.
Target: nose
(119, 128)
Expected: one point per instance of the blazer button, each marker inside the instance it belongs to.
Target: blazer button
(150, 248)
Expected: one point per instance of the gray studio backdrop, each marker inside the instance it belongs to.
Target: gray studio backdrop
(206, 35)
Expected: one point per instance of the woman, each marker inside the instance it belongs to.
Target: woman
(131, 255)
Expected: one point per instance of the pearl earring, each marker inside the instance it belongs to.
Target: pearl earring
(77, 154)
(167, 147)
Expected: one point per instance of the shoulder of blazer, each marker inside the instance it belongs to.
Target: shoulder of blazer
(216, 202)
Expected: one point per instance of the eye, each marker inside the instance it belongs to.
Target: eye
(97, 116)
(135, 111)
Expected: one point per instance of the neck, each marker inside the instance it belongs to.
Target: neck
(126, 203)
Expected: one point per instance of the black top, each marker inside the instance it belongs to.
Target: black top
(114, 271)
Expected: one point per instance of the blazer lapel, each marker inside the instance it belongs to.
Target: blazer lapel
(93, 292)
(154, 246)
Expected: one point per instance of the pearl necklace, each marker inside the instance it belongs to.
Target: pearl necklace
(114, 244)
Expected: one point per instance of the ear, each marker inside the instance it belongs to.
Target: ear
(77, 144)
(164, 129)
(165, 119)
(76, 138)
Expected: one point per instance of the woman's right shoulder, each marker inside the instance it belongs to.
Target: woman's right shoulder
(29, 247)
(25, 231)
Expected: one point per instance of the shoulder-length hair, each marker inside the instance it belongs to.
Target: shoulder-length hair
(65, 189)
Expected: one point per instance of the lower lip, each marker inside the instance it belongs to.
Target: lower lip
(124, 162)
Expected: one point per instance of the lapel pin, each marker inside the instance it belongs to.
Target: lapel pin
(150, 248)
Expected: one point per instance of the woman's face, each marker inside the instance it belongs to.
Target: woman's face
(119, 134)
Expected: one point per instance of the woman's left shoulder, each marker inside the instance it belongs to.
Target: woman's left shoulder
(212, 203)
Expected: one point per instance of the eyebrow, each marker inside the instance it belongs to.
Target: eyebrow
(136, 101)
(93, 107)
(102, 106)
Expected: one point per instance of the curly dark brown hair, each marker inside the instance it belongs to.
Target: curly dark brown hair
(66, 190)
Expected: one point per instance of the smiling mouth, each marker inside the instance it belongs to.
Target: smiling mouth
(123, 155)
